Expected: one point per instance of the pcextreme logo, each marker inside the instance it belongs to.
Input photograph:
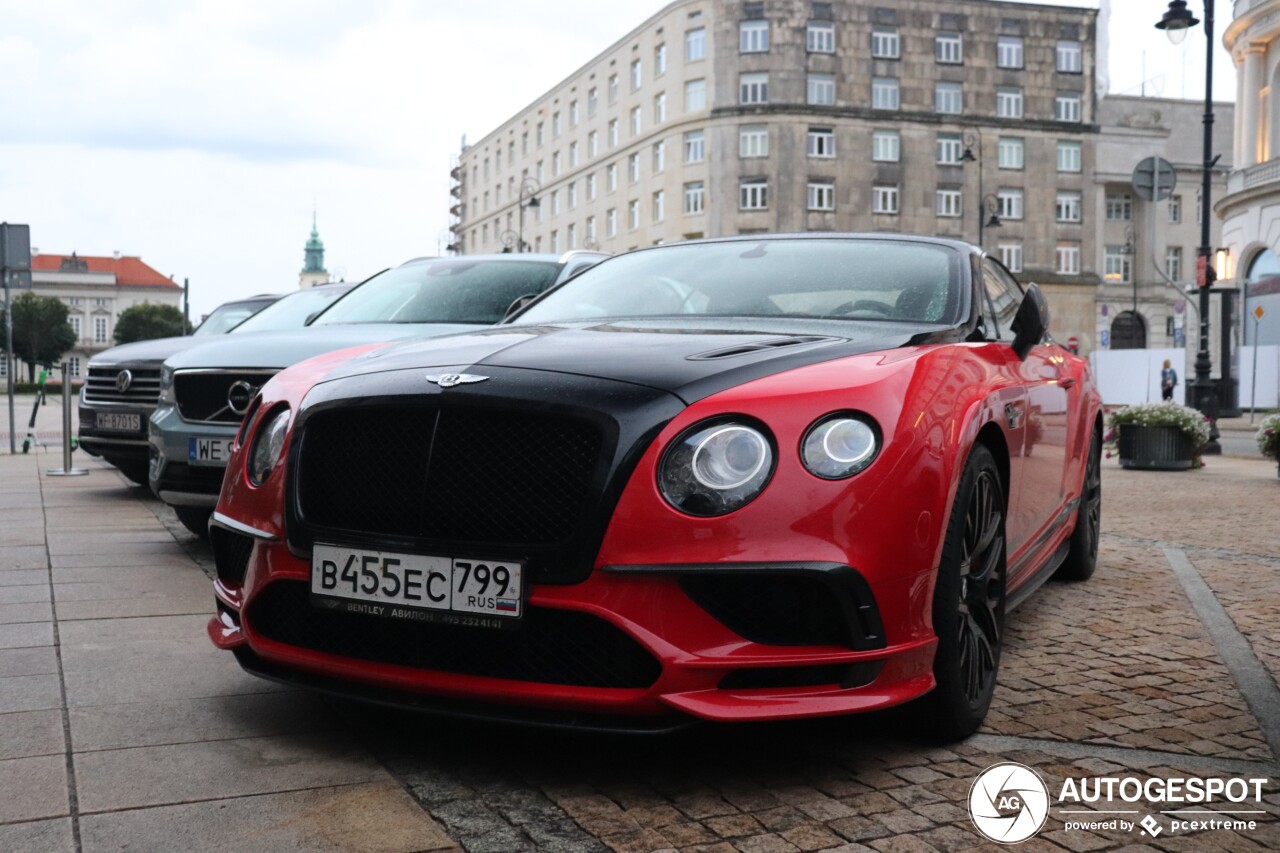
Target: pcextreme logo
(1008, 802)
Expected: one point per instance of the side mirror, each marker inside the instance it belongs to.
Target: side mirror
(1031, 322)
(515, 306)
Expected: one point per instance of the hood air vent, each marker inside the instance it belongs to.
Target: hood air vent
(761, 346)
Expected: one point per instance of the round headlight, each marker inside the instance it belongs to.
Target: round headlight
(840, 446)
(713, 469)
(268, 445)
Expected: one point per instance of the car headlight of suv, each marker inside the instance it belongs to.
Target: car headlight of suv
(716, 467)
(268, 446)
(840, 445)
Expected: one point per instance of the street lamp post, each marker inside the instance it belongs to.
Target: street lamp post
(529, 188)
(1175, 22)
(988, 205)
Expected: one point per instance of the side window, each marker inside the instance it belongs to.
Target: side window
(1002, 298)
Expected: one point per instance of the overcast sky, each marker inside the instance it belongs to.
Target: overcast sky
(199, 135)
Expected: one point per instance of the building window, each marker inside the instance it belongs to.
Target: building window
(949, 148)
(659, 206)
(633, 167)
(613, 88)
(593, 144)
(573, 236)
(635, 121)
(884, 199)
(660, 60)
(1117, 265)
(593, 101)
(73, 365)
(1119, 207)
(660, 108)
(555, 241)
(1009, 53)
(591, 187)
(591, 229)
(1175, 209)
(659, 156)
(820, 37)
(555, 202)
(555, 164)
(1067, 258)
(555, 125)
(948, 48)
(1068, 156)
(1009, 152)
(1173, 262)
(1010, 203)
(637, 74)
(695, 44)
(948, 98)
(694, 197)
(611, 222)
(886, 146)
(1009, 102)
(1069, 57)
(822, 89)
(753, 36)
(753, 88)
(822, 195)
(1066, 107)
(949, 203)
(573, 114)
(884, 43)
(1068, 207)
(74, 320)
(695, 95)
(1011, 256)
(611, 177)
(884, 93)
(821, 142)
(613, 133)
(100, 330)
(695, 146)
(753, 140)
(753, 194)
(633, 214)
(573, 154)
(572, 192)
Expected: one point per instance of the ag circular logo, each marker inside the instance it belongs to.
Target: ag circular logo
(1008, 802)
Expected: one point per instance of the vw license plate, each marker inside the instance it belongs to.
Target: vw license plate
(452, 590)
(209, 451)
(118, 421)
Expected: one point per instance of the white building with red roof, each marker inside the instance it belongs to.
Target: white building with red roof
(95, 291)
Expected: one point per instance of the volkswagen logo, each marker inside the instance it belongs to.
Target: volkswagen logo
(448, 380)
(123, 380)
(239, 396)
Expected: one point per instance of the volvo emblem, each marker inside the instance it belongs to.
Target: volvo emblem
(123, 380)
(239, 396)
(448, 380)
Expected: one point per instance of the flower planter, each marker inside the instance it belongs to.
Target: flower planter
(1159, 448)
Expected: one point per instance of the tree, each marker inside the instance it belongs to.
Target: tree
(146, 322)
(41, 333)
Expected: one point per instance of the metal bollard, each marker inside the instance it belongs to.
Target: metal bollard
(66, 470)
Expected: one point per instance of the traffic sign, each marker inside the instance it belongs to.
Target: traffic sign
(1258, 312)
(1144, 179)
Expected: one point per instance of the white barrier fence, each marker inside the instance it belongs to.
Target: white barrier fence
(1130, 376)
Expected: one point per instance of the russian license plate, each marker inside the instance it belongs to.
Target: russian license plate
(118, 421)
(452, 590)
(209, 451)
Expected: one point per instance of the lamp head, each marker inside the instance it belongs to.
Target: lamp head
(1176, 21)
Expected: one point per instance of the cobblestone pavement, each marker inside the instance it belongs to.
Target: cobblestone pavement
(121, 728)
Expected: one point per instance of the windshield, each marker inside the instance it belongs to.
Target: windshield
(453, 290)
(855, 279)
(226, 317)
(292, 311)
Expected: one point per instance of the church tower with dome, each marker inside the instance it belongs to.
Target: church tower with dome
(313, 271)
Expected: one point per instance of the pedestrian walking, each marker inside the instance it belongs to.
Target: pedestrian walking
(1168, 381)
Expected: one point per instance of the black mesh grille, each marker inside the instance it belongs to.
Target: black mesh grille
(203, 396)
(550, 646)
(101, 386)
(231, 552)
(789, 608)
(447, 475)
(181, 477)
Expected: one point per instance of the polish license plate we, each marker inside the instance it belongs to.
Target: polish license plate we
(213, 452)
(462, 591)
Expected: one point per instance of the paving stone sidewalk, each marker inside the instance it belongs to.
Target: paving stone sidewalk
(122, 728)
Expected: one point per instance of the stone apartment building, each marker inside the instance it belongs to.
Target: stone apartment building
(972, 119)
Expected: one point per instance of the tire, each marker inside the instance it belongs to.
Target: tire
(1082, 558)
(968, 605)
(195, 519)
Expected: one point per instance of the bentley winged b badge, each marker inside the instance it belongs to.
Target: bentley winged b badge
(448, 380)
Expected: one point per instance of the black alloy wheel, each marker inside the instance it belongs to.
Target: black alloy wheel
(1082, 558)
(968, 605)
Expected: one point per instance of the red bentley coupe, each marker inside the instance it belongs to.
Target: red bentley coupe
(740, 479)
